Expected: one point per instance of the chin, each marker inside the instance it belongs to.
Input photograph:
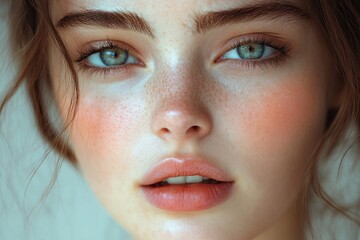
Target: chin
(194, 228)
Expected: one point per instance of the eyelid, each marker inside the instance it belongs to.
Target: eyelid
(269, 39)
(98, 46)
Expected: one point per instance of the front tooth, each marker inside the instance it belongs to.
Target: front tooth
(194, 179)
(176, 180)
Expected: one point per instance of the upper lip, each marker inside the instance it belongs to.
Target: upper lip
(184, 166)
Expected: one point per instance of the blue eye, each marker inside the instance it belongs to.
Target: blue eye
(110, 57)
(250, 51)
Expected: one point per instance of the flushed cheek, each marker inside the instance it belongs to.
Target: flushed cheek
(281, 129)
(101, 132)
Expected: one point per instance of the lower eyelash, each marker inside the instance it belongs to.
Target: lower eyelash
(85, 67)
(262, 64)
(105, 70)
(83, 55)
(282, 47)
(92, 49)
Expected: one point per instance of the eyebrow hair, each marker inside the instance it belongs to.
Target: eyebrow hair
(269, 11)
(203, 22)
(105, 19)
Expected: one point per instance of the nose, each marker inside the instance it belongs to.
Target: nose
(181, 120)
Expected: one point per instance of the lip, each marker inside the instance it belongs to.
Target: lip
(186, 197)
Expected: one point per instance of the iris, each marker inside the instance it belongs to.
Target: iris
(113, 57)
(251, 51)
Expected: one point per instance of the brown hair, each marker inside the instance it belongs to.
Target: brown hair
(32, 29)
(338, 22)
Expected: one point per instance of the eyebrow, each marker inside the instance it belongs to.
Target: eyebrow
(203, 22)
(104, 19)
(257, 11)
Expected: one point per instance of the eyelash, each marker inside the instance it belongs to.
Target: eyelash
(83, 55)
(282, 47)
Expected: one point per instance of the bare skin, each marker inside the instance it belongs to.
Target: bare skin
(259, 119)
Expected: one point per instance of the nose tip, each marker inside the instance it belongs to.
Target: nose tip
(178, 122)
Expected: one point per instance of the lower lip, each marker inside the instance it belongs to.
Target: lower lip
(188, 197)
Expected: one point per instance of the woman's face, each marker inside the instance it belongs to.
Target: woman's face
(232, 94)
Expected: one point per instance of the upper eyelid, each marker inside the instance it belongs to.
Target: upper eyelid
(253, 37)
(98, 46)
(270, 38)
(225, 46)
(95, 51)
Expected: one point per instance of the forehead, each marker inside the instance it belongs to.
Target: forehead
(157, 9)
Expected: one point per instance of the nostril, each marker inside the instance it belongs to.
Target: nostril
(164, 131)
(193, 129)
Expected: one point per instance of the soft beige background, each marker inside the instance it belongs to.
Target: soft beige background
(70, 212)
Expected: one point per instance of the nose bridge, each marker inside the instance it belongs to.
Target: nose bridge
(182, 82)
(178, 112)
(182, 88)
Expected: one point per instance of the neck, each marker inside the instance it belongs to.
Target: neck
(287, 227)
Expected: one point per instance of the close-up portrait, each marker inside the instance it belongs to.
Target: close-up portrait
(180, 119)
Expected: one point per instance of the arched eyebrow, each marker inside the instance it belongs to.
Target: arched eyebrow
(252, 12)
(203, 22)
(105, 19)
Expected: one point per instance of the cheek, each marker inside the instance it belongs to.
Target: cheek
(100, 134)
(279, 131)
(285, 123)
(100, 119)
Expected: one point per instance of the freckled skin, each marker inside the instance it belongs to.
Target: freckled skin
(259, 125)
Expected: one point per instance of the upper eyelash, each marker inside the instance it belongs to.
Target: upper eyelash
(281, 46)
(92, 49)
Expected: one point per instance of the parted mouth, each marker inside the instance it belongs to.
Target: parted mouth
(195, 179)
(180, 171)
(186, 184)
